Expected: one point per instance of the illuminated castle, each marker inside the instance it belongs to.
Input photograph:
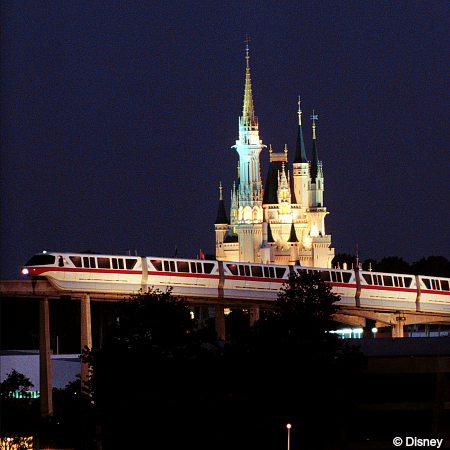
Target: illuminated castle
(283, 222)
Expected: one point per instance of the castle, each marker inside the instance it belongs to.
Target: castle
(283, 222)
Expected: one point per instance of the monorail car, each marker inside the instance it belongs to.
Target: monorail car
(203, 278)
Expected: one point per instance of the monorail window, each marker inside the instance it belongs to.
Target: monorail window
(280, 272)
(434, 284)
(377, 280)
(233, 268)
(367, 277)
(387, 280)
(89, 262)
(130, 263)
(117, 263)
(157, 264)
(407, 281)
(426, 282)
(444, 285)
(41, 260)
(104, 263)
(208, 267)
(325, 275)
(169, 266)
(257, 271)
(346, 276)
(182, 266)
(76, 260)
(398, 281)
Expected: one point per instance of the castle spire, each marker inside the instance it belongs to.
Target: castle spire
(221, 214)
(248, 113)
(300, 153)
(315, 155)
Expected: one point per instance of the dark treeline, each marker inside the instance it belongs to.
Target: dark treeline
(158, 379)
(437, 266)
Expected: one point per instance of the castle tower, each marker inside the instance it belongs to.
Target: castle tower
(249, 147)
(317, 242)
(283, 223)
(221, 226)
(300, 166)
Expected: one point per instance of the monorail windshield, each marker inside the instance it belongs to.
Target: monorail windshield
(41, 260)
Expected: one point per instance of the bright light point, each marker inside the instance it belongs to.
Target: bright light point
(25, 271)
(374, 330)
(288, 426)
(44, 251)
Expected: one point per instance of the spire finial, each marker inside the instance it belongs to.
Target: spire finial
(247, 40)
(299, 112)
(221, 189)
(314, 117)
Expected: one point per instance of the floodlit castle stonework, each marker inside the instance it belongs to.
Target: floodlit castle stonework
(282, 222)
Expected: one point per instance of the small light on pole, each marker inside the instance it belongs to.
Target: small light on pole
(288, 426)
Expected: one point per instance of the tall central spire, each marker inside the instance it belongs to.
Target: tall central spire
(248, 114)
(249, 147)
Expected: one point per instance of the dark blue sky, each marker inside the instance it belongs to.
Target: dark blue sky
(118, 120)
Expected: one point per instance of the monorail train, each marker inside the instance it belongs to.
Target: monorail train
(80, 272)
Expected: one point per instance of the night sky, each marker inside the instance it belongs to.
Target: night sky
(118, 120)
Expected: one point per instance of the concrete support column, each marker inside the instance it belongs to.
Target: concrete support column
(220, 322)
(397, 329)
(367, 329)
(86, 332)
(254, 315)
(45, 363)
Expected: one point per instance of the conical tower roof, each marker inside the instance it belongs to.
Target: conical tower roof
(300, 153)
(248, 113)
(221, 218)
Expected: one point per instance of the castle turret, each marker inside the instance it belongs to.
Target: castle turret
(300, 166)
(316, 174)
(221, 226)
